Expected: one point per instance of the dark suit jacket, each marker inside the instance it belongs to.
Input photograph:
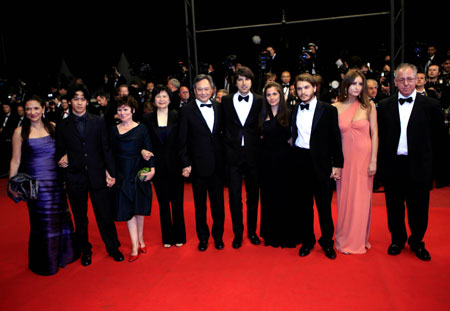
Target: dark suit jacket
(234, 131)
(198, 147)
(325, 142)
(425, 128)
(91, 153)
(10, 126)
(167, 160)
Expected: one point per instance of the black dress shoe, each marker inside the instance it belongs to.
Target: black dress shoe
(422, 254)
(86, 259)
(330, 252)
(304, 251)
(219, 244)
(394, 249)
(254, 239)
(202, 246)
(237, 242)
(116, 255)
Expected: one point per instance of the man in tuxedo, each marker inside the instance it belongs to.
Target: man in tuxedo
(409, 125)
(8, 122)
(82, 148)
(201, 153)
(242, 145)
(317, 157)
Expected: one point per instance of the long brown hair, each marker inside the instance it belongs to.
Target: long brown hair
(26, 124)
(349, 77)
(282, 116)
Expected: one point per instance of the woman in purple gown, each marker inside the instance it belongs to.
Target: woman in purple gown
(51, 230)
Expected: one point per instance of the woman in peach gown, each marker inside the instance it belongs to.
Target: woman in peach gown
(359, 132)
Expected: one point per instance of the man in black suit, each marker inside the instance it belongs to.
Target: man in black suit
(317, 157)
(242, 146)
(83, 149)
(201, 153)
(409, 125)
(8, 122)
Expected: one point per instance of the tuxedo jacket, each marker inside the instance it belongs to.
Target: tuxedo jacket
(91, 153)
(10, 126)
(325, 142)
(167, 160)
(234, 130)
(424, 131)
(198, 147)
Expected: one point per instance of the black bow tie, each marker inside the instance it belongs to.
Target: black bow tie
(206, 105)
(240, 98)
(285, 85)
(304, 106)
(403, 100)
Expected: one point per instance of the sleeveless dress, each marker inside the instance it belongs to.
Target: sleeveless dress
(51, 243)
(132, 197)
(354, 190)
(278, 213)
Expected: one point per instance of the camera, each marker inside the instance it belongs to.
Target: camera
(229, 63)
(264, 57)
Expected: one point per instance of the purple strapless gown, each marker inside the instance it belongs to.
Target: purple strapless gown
(51, 243)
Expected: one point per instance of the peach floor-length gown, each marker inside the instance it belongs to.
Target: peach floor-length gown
(354, 190)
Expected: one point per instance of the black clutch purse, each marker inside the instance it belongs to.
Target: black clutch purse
(27, 186)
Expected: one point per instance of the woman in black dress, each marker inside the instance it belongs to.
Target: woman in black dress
(277, 211)
(132, 147)
(168, 181)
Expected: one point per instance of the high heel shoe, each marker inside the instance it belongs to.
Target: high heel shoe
(142, 250)
(133, 257)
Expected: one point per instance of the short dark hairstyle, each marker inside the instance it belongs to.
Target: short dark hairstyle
(306, 77)
(81, 88)
(245, 72)
(127, 101)
(161, 88)
(203, 77)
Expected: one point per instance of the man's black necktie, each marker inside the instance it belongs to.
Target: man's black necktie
(304, 106)
(80, 123)
(403, 100)
(206, 105)
(240, 98)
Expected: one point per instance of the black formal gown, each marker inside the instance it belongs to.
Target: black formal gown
(277, 211)
(51, 243)
(132, 197)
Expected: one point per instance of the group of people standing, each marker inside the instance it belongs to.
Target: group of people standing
(288, 159)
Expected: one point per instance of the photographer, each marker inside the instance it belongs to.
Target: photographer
(434, 82)
(113, 79)
(309, 60)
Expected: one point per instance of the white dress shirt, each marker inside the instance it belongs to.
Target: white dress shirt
(207, 113)
(242, 108)
(405, 112)
(304, 122)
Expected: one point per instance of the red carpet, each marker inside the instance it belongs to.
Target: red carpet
(251, 278)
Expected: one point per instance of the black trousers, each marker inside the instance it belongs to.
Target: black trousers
(212, 186)
(235, 175)
(100, 198)
(398, 191)
(308, 186)
(169, 191)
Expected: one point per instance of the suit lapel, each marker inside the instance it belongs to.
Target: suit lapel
(73, 128)
(252, 110)
(317, 115)
(154, 124)
(200, 115)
